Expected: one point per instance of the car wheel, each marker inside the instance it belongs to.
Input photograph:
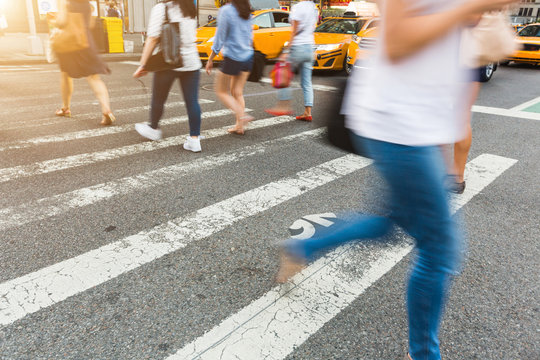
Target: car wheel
(487, 72)
(347, 67)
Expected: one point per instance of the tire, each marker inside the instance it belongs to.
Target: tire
(347, 68)
(487, 72)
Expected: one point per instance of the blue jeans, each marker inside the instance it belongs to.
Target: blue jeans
(189, 82)
(301, 57)
(418, 204)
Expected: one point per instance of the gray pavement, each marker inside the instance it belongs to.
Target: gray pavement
(15, 50)
(56, 208)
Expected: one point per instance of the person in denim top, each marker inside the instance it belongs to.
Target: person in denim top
(234, 39)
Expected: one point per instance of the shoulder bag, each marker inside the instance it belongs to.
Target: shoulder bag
(491, 41)
(168, 57)
(71, 36)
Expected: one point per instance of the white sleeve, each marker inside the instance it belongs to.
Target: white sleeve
(157, 16)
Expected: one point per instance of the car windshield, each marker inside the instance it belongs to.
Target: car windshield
(341, 26)
(530, 31)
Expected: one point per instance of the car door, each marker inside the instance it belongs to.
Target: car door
(263, 35)
(282, 29)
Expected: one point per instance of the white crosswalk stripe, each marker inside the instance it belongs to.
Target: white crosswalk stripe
(273, 325)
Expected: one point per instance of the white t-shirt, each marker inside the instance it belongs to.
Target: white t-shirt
(417, 101)
(188, 33)
(306, 14)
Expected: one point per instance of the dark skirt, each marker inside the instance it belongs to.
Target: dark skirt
(82, 63)
(86, 62)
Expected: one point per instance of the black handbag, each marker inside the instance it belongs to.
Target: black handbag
(168, 57)
(337, 134)
(259, 60)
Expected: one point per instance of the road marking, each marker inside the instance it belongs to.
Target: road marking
(315, 86)
(273, 325)
(84, 102)
(90, 133)
(94, 115)
(63, 203)
(48, 166)
(48, 286)
(505, 112)
(525, 105)
(136, 63)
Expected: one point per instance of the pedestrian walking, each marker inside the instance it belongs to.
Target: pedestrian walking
(299, 52)
(81, 63)
(399, 112)
(184, 13)
(235, 36)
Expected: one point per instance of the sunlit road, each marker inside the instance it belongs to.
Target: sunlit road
(114, 247)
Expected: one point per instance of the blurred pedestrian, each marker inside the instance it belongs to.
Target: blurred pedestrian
(235, 36)
(113, 11)
(82, 63)
(299, 52)
(399, 112)
(184, 13)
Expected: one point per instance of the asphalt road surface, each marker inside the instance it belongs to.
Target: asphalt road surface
(114, 247)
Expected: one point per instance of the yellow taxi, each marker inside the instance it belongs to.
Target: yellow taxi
(360, 47)
(332, 39)
(529, 38)
(271, 29)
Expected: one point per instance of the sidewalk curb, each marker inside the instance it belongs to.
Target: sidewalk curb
(42, 60)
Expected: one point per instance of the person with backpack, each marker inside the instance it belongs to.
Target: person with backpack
(235, 36)
(184, 13)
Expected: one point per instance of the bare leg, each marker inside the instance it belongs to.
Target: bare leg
(101, 92)
(461, 148)
(237, 91)
(223, 91)
(66, 88)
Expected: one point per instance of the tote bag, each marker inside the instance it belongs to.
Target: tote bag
(72, 36)
(281, 75)
(491, 41)
(168, 57)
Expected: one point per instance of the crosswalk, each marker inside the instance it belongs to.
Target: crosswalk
(260, 178)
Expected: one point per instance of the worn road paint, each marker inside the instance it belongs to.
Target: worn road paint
(48, 286)
(505, 112)
(48, 166)
(63, 203)
(90, 133)
(273, 325)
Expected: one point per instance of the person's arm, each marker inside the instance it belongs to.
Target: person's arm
(149, 46)
(154, 33)
(219, 38)
(406, 33)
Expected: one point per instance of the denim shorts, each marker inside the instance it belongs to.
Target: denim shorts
(233, 67)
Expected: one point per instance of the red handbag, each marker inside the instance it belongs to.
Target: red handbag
(281, 75)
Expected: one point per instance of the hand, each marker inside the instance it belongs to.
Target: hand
(209, 66)
(284, 56)
(140, 72)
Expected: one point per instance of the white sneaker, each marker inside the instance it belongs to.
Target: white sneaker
(146, 131)
(192, 144)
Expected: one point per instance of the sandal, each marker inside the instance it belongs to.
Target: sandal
(235, 131)
(108, 119)
(304, 118)
(66, 112)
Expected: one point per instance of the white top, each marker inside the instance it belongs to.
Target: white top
(188, 32)
(306, 14)
(418, 101)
